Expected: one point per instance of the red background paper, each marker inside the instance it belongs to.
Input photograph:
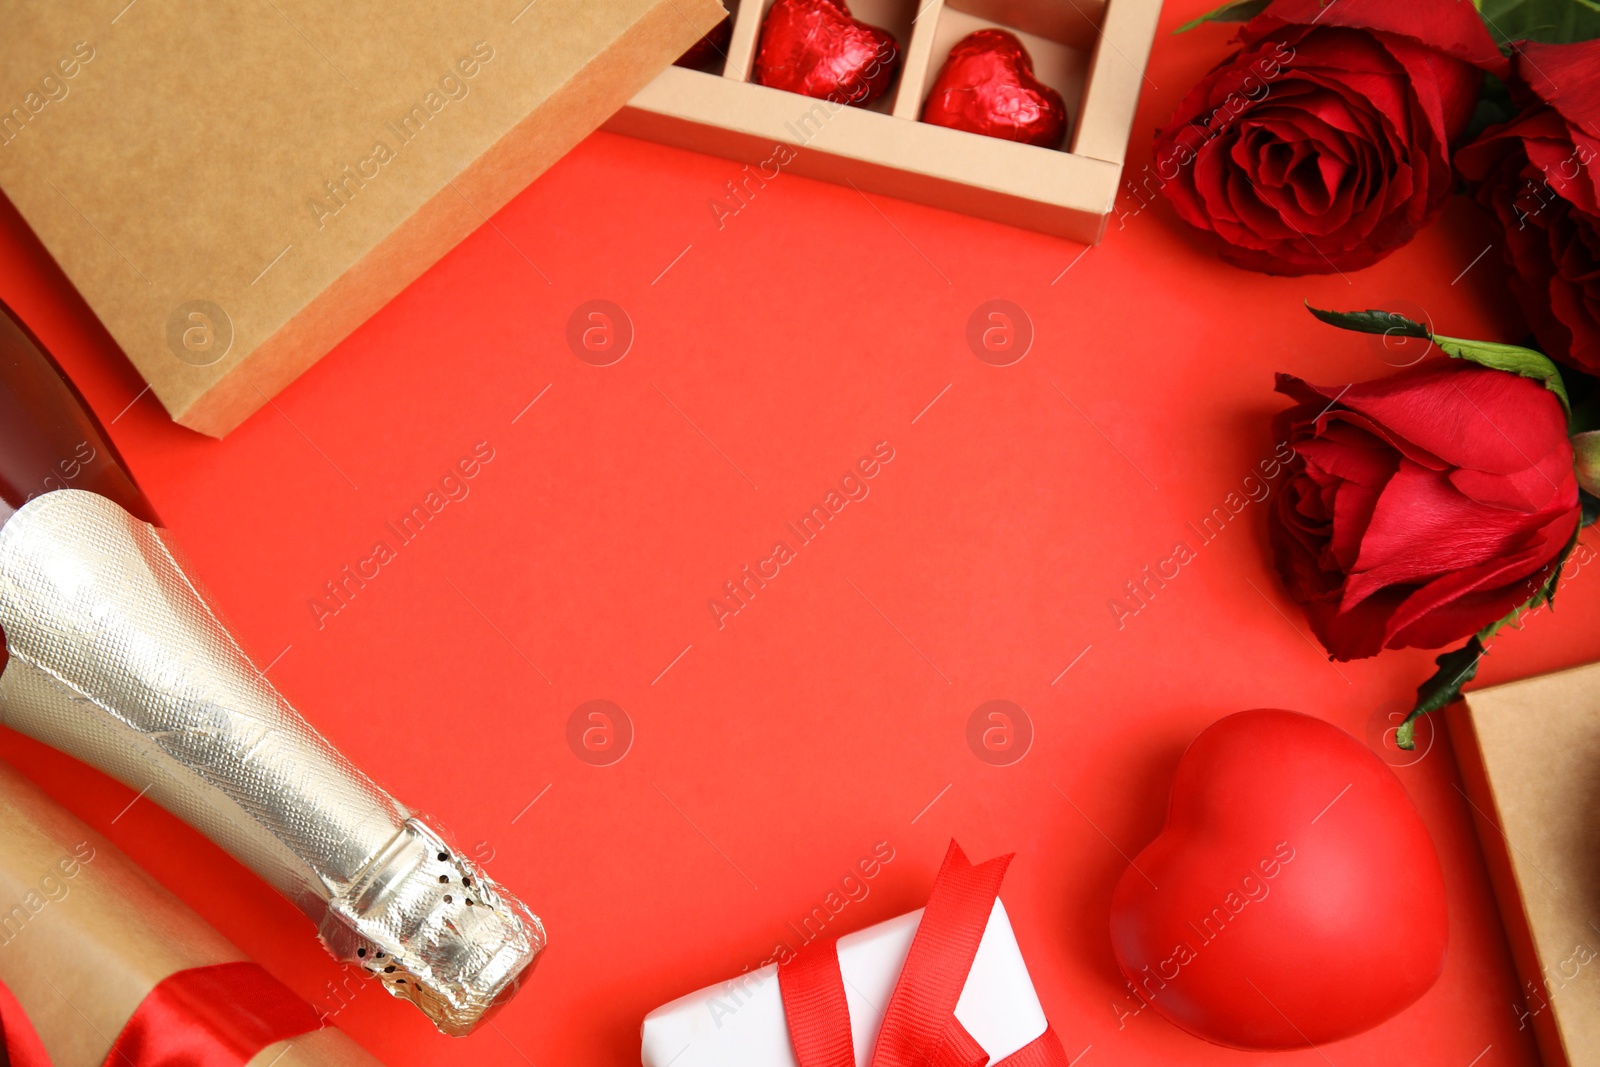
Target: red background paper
(831, 713)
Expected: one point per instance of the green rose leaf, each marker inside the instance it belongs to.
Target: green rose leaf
(1371, 321)
(1236, 11)
(1548, 593)
(1456, 669)
(1547, 21)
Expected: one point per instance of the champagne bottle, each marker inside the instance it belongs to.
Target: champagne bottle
(114, 654)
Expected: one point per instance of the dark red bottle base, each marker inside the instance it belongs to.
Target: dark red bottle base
(49, 438)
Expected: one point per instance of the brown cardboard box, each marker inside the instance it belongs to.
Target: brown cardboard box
(1091, 51)
(234, 187)
(87, 935)
(1529, 754)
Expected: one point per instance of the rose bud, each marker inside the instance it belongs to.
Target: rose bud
(1322, 144)
(816, 48)
(1421, 508)
(1538, 176)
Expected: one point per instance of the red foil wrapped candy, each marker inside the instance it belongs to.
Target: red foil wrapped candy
(988, 86)
(817, 48)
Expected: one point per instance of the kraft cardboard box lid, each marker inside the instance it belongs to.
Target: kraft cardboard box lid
(235, 187)
(1529, 753)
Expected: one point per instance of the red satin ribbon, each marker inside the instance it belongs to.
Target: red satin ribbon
(22, 1045)
(217, 1016)
(919, 1028)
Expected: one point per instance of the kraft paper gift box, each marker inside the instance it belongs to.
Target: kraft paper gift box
(741, 1023)
(1093, 52)
(1529, 753)
(85, 935)
(235, 187)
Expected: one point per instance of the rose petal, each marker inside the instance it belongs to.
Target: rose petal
(1549, 484)
(1565, 76)
(1468, 416)
(1423, 528)
(1351, 455)
(1416, 454)
(1447, 91)
(1454, 28)
(1559, 162)
(1356, 632)
(1352, 513)
(1463, 602)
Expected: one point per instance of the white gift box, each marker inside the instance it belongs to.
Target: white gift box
(740, 1023)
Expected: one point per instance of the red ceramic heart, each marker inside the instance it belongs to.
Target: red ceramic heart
(1294, 896)
(987, 86)
(817, 48)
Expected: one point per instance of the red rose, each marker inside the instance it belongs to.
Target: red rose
(1422, 507)
(1539, 177)
(1323, 144)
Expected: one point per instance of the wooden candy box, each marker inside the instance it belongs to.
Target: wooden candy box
(1091, 51)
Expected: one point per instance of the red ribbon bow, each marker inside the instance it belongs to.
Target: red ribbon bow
(920, 1028)
(217, 1016)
